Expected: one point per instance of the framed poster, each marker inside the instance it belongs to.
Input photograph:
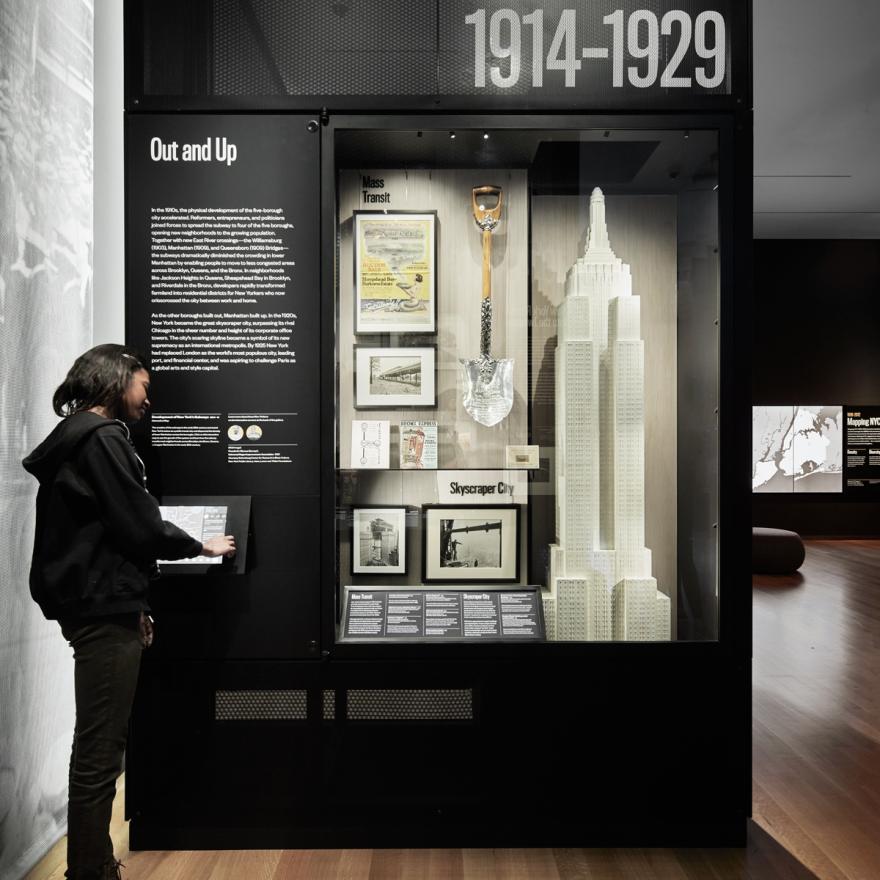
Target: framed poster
(389, 378)
(395, 274)
(471, 544)
(418, 446)
(378, 540)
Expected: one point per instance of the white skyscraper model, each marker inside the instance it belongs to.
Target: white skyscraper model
(600, 584)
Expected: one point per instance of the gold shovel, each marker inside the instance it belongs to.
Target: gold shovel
(488, 395)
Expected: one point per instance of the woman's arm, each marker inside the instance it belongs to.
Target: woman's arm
(129, 513)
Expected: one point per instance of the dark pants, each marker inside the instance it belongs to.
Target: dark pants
(107, 655)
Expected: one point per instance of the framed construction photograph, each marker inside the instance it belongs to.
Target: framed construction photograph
(378, 540)
(471, 543)
(390, 378)
(395, 272)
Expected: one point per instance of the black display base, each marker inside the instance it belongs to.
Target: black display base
(495, 751)
(436, 829)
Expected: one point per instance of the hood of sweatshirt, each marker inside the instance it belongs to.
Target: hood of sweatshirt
(48, 457)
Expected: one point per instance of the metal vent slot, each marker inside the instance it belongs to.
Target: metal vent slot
(410, 705)
(260, 706)
(329, 705)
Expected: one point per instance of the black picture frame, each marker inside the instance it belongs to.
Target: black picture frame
(400, 516)
(437, 571)
(362, 400)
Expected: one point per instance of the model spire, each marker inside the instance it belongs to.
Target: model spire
(598, 243)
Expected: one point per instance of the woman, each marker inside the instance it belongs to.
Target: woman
(98, 535)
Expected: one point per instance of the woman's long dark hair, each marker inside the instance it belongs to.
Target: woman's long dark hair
(99, 377)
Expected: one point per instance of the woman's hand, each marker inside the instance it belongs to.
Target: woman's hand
(222, 545)
(146, 627)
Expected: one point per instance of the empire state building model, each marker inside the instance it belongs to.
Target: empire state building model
(600, 585)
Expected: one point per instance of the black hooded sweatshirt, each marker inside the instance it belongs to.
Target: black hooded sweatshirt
(98, 530)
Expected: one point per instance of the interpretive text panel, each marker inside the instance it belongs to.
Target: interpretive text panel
(223, 298)
(469, 615)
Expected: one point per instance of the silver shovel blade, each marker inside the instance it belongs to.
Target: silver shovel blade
(488, 392)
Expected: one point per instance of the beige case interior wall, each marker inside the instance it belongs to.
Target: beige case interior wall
(643, 233)
(462, 443)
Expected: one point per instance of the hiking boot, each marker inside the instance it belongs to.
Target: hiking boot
(112, 870)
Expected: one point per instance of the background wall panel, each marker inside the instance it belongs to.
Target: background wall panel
(817, 319)
(45, 322)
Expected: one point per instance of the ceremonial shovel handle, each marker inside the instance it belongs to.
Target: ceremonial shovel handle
(487, 219)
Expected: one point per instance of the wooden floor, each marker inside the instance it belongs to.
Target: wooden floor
(762, 859)
(816, 765)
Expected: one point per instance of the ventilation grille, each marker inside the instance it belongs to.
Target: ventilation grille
(410, 705)
(331, 48)
(260, 706)
(329, 705)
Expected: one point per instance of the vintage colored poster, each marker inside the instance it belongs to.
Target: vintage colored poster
(395, 272)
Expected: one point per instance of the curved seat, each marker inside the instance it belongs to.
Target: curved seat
(776, 551)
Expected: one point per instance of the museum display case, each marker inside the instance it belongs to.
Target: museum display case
(460, 298)
(527, 341)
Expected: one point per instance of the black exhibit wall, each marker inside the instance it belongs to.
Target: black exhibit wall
(816, 331)
(222, 269)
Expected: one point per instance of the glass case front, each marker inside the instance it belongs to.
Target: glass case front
(527, 388)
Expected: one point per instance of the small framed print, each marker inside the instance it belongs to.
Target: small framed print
(390, 378)
(418, 446)
(522, 457)
(378, 540)
(473, 544)
(370, 444)
(395, 275)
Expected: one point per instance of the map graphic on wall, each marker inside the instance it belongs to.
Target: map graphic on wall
(797, 448)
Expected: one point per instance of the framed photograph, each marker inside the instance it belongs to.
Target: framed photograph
(522, 457)
(395, 274)
(471, 543)
(370, 444)
(378, 540)
(389, 378)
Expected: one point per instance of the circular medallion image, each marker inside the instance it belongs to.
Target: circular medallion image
(254, 432)
(235, 432)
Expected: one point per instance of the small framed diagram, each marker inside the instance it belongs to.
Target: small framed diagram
(370, 444)
(378, 540)
(395, 276)
(471, 543)
(390, 378)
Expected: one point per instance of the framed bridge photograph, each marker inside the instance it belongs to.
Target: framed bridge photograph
(395, 276)
(390, 378)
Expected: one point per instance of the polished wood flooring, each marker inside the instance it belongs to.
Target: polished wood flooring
(762, 859)
(816, 765)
